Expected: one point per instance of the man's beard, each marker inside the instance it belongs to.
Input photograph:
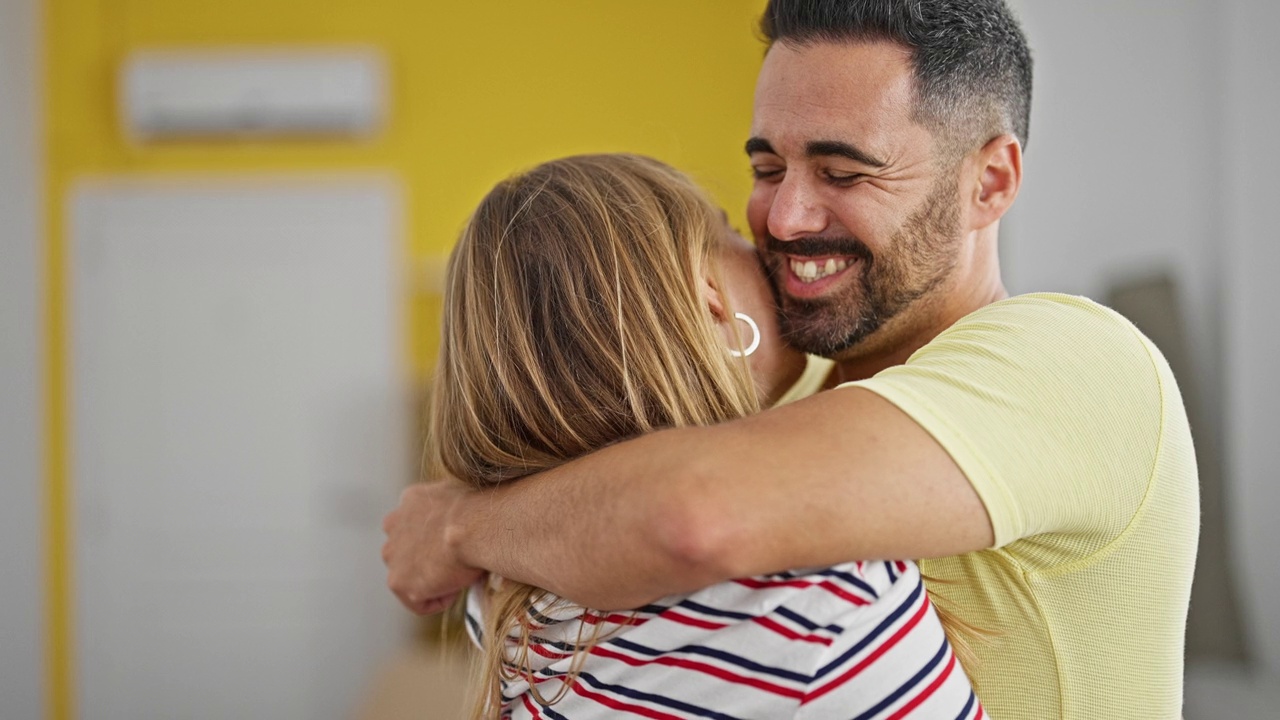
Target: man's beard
(918, 258)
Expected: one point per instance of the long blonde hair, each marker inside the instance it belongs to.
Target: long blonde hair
(574, 318)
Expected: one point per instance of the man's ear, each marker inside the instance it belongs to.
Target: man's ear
(999, 178)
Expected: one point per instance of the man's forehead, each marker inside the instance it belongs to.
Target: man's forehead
(860, 93)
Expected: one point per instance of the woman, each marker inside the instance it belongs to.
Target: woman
(595, 298)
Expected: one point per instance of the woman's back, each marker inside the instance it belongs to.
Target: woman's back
(857, 640)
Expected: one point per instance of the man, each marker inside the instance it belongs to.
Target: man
(1035, 447)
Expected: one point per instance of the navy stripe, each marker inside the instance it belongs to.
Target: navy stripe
(880, 629)
(852, 580)
(548, 711)
(892, 575)
(550, 621)
(805, 622)
(907, 686)
(698, 607)
(546, 672)
(475, 628)
(557, 644)
(655, 699)
(968, 707)
(717, 654)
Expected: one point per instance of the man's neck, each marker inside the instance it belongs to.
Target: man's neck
(911, 339)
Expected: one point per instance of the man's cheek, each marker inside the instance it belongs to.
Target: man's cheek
(758, 215)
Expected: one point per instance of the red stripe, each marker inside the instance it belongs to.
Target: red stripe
(621, 706)
(702, 668)
(537, 648)
(762, 584)
(825, 585)
(528, 705)
(842, 593)
(686, 620)
(924, 694)
(980, 714)
(789, 633)
(901, 633)
(615, 618)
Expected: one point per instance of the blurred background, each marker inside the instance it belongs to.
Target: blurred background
(222, 232)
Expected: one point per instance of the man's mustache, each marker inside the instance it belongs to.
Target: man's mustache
(819, 247)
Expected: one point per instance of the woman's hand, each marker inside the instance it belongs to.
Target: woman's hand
(423, 568)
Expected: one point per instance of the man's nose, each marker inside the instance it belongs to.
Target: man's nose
(796, 210)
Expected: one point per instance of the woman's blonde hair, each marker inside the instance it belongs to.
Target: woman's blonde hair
(574, 317)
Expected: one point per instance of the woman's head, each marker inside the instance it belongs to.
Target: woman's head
(579, 312)
(586, 303)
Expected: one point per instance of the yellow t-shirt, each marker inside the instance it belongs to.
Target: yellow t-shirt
(1069, 425)
(816, 370)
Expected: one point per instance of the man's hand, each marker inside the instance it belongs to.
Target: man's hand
(422, 568)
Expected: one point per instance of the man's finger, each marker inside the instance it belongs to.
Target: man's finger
(428, 606)
(440, 604)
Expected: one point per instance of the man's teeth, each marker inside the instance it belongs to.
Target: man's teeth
(810, 271)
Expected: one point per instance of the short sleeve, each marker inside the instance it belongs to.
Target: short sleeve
(1051, 405)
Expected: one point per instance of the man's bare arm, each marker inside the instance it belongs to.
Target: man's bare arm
(841, 476)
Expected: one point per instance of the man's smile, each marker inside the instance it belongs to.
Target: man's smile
(809, 277)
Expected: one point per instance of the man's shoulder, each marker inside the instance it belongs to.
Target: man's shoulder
(1048, 333)
(1046, 312)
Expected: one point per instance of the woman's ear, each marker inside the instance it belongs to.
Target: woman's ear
(715, 300)
(724, 322)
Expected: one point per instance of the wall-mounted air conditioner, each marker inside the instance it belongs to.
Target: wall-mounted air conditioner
(247, 93)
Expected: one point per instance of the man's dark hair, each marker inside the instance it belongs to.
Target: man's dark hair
(971, 60)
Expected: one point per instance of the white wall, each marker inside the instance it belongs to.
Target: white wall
(1253, 309)
(1154, 147)
(1123, 165)
(20, 388)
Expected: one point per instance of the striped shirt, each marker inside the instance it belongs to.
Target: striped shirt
(858, 640)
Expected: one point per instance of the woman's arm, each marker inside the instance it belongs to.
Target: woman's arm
(681, 509)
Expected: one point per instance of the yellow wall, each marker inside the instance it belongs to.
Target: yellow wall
(479, 89)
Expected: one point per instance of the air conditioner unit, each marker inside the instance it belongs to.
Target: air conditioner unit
(252, 93)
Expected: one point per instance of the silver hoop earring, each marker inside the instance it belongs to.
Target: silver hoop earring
(755, 331)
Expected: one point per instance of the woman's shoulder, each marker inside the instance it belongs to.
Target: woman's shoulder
(812, 604)
(772, 642)
(557, 627)
(768, 614)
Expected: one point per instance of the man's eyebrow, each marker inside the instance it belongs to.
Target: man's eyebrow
(759, 144)
(821, 148)
(825, 148)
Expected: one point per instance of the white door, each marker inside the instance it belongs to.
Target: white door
(240, 424)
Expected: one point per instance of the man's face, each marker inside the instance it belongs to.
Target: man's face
(856, 220)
